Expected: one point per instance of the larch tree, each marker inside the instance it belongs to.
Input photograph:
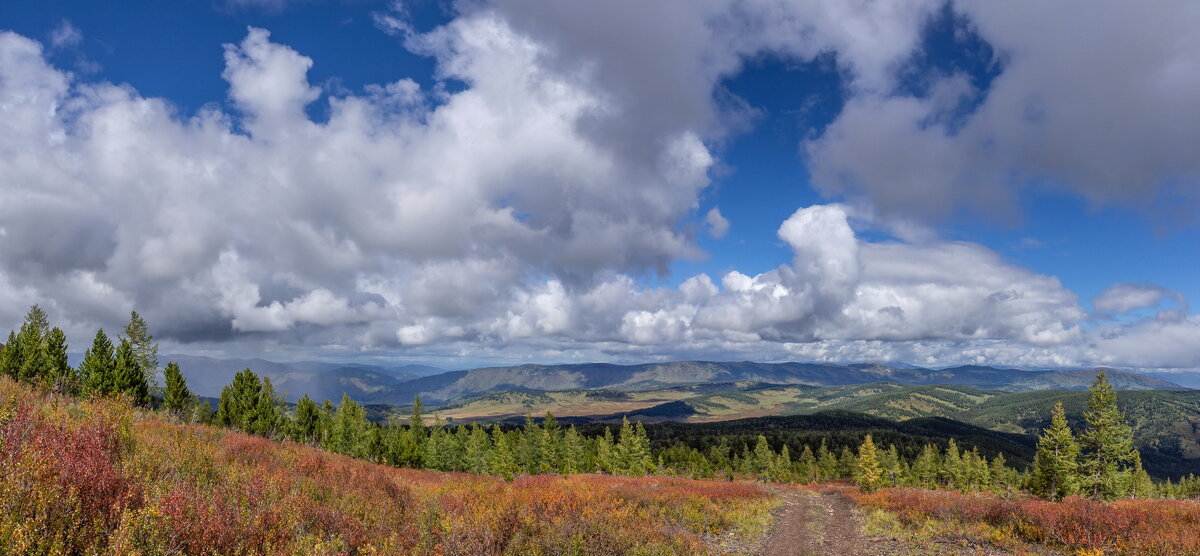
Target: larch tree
(869, 476)
(1106, 444)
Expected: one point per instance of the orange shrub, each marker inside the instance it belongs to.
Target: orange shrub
(1123, 527)
(82, 477)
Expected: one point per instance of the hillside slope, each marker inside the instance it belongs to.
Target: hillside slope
(101, 477)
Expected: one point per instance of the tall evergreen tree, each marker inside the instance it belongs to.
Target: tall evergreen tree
(308, 420)
(35, 361)
(548, 456)
(869, 476)
(350, 432)
(145, 350)
(239, 400)
(128, 378)
(415, 444)
(1056, 463)
(60, 376)
(97, 371)
(808, 465)
(176, 396)
(10, 357)
(1106, 444)
(502, 460)
(925, 468)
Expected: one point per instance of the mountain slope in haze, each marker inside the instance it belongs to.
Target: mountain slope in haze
(206, 376)
(462, 384)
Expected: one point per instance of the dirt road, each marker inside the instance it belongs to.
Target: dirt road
(828, 524)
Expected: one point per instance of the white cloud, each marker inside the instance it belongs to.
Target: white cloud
(718, 225)
(1096, 111)
(513, 218)
(1122, 298)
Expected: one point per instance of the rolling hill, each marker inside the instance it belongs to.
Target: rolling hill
(655, 376)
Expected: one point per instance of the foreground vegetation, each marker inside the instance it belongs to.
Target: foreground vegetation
(1081, 525)
(103, 476)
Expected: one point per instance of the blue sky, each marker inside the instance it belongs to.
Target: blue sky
(941, 183)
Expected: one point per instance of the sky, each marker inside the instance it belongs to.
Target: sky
(464, 183)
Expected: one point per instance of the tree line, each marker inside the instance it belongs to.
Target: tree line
(1099, 461)
(37, 354)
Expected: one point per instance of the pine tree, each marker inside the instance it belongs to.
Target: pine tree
(478, 450)
(847, 463)
(548, 449)
(60, 377)
(952, 468)
(266, 410)
(1140, 485)
(176, 396)
(350, 432)
(1056, 463)
(145, 351)
(239, 400)
(573, 452)
(307, 422)
(827, 463)
(869, 476)
(808, 465)
(925, 469)
(35, 361)
(416, 435)
(435, 446)
(1106, 444)
(10, 357)
(128, 378)
(606, 457)
(763, 459)
(98, 366)
(502, 461)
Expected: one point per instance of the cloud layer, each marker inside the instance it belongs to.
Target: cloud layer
(515, 218)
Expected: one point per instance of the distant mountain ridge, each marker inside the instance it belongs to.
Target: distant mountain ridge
(206, 376)
(649, 376)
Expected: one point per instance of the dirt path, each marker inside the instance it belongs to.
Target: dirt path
(816, 524)
(828, 524)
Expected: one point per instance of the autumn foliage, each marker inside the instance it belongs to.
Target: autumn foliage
(100, 476)
(1130, 526)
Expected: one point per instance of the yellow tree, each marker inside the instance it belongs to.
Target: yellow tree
(869, 474)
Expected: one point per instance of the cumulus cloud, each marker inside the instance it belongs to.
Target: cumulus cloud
(1096, 113)
(718, 225)
(515, 218)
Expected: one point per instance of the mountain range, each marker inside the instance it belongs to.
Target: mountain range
(444, 387)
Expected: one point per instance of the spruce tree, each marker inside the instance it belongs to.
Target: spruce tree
(763, 460)
(415, 444)
(808, 465)
(307, 422)
(606, 457)
(128, 378)
(869, 476)
(145, 351)
(478, 450)
(350, 432)
(502, 461)
(98, 366)
(266, 410)
(827, 463)
(10, 357)
(925, 469)
(573, 452)
(176, 396)
(35, 361)
(548, 445)
(239, 400)
(60, 376)
(1056, 463)
(1106, 444)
